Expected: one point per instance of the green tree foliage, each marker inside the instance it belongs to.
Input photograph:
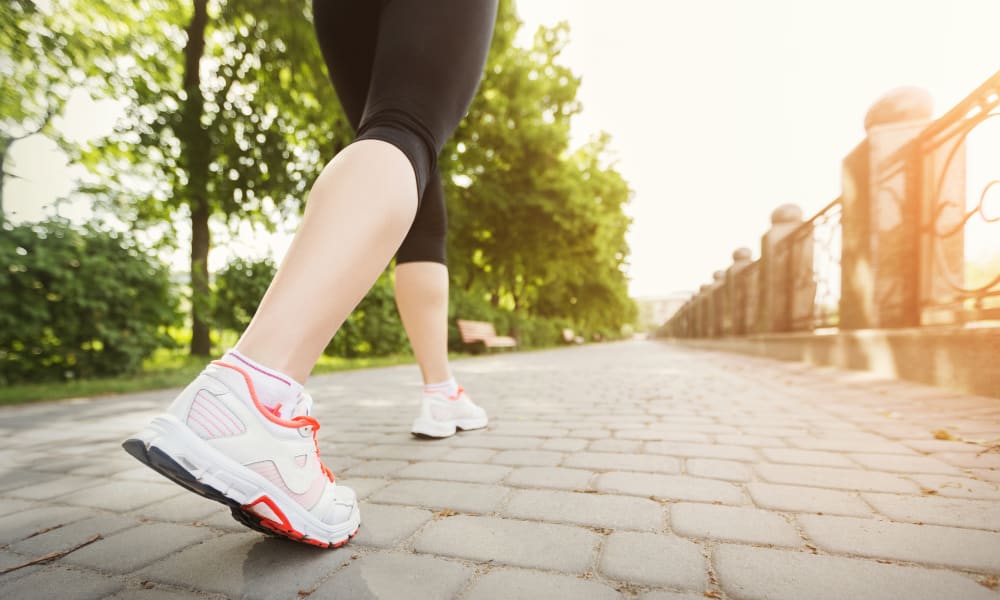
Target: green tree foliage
(78, 303)
(228, 113)
(535, 228)
(38, 69)
(374, 328)
(239, 288)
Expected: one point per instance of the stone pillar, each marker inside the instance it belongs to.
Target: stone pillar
(736, 297)
(775, 277)
(880, 253)
(705, 311)
(719, 327)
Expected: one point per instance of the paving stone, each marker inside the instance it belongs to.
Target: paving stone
(16, 526)
(607, 461)
(406, 452)
(896, 463)
(665, 595)
(959, 487)
(262, 567)
(68, 536)
(732, 524)
(747, 572)
(528, 458)
(968, 460)
(654, 435)
(468, 455)
(718, 469)
(506, 541)
(54, 487)
(137, 547)
(656, 560)
(362, 486)
(590, 434)
(756, 441)
(593, 510)
(150, 594)
(614, 445)
(564, 444)
(387, 576)
(930, 544)
(9, 560)
(62, 583)
(453, 471)
(670, 487)
(12, 479)
(125, 495)
(807, 499)
(550, 477)
(830, 477)
(185, 508)
(797, 456)
(742, 453)
(498, 442)
(880, 445)
(504, 584)
(974, 514)
(464, 497)
(375, 468)
(385, 526)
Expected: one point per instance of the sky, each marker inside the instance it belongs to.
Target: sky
(719, 110)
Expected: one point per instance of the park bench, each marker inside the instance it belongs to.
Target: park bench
(475, 333)
(569, 337)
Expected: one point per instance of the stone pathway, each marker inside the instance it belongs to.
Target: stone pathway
(637, 469)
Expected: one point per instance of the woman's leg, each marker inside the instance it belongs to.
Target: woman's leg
(422, 285)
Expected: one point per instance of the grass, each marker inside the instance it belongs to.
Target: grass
(165, 369)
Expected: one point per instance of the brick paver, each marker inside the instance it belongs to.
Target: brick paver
(631, 470)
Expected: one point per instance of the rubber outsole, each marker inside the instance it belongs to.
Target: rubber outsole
(159, 461)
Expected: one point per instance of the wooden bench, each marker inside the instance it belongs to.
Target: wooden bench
(569, 337)
(481, 332)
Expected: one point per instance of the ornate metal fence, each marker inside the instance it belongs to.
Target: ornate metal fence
(913, 240)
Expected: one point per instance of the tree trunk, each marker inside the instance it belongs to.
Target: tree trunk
(196, 153)
(3, 176)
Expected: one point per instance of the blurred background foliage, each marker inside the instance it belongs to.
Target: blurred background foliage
(227, 116)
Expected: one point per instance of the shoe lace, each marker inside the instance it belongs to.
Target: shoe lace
(313, 424)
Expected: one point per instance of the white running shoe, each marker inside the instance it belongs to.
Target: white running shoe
(217, 440)
(441, 415)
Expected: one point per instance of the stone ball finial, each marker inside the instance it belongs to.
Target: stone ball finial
(741, 254)
(718, 275)
(786, 213)
(902, 104)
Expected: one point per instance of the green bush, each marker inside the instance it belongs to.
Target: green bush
(78, 303)
(374, 328)
(239, 288)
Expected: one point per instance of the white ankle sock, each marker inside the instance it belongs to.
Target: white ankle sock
(448, 388)
(275, 390)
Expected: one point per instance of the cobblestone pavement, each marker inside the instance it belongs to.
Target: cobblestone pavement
(637, 469)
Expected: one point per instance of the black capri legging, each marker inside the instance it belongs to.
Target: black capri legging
(406, 72)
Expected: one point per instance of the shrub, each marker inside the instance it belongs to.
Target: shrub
(374, 328)
(78, 303)
(239, 288)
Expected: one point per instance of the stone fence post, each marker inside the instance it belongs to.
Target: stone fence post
(736, 298)
(880, 260)
(774, 273)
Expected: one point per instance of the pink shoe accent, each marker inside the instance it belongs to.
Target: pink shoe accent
(210, 419)
(268, 470)
(301, 459)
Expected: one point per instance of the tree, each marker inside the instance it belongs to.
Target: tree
(228, 114)
(536, 228)
(37, 72)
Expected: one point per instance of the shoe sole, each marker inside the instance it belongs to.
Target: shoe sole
(424, 429)
(160, 461)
